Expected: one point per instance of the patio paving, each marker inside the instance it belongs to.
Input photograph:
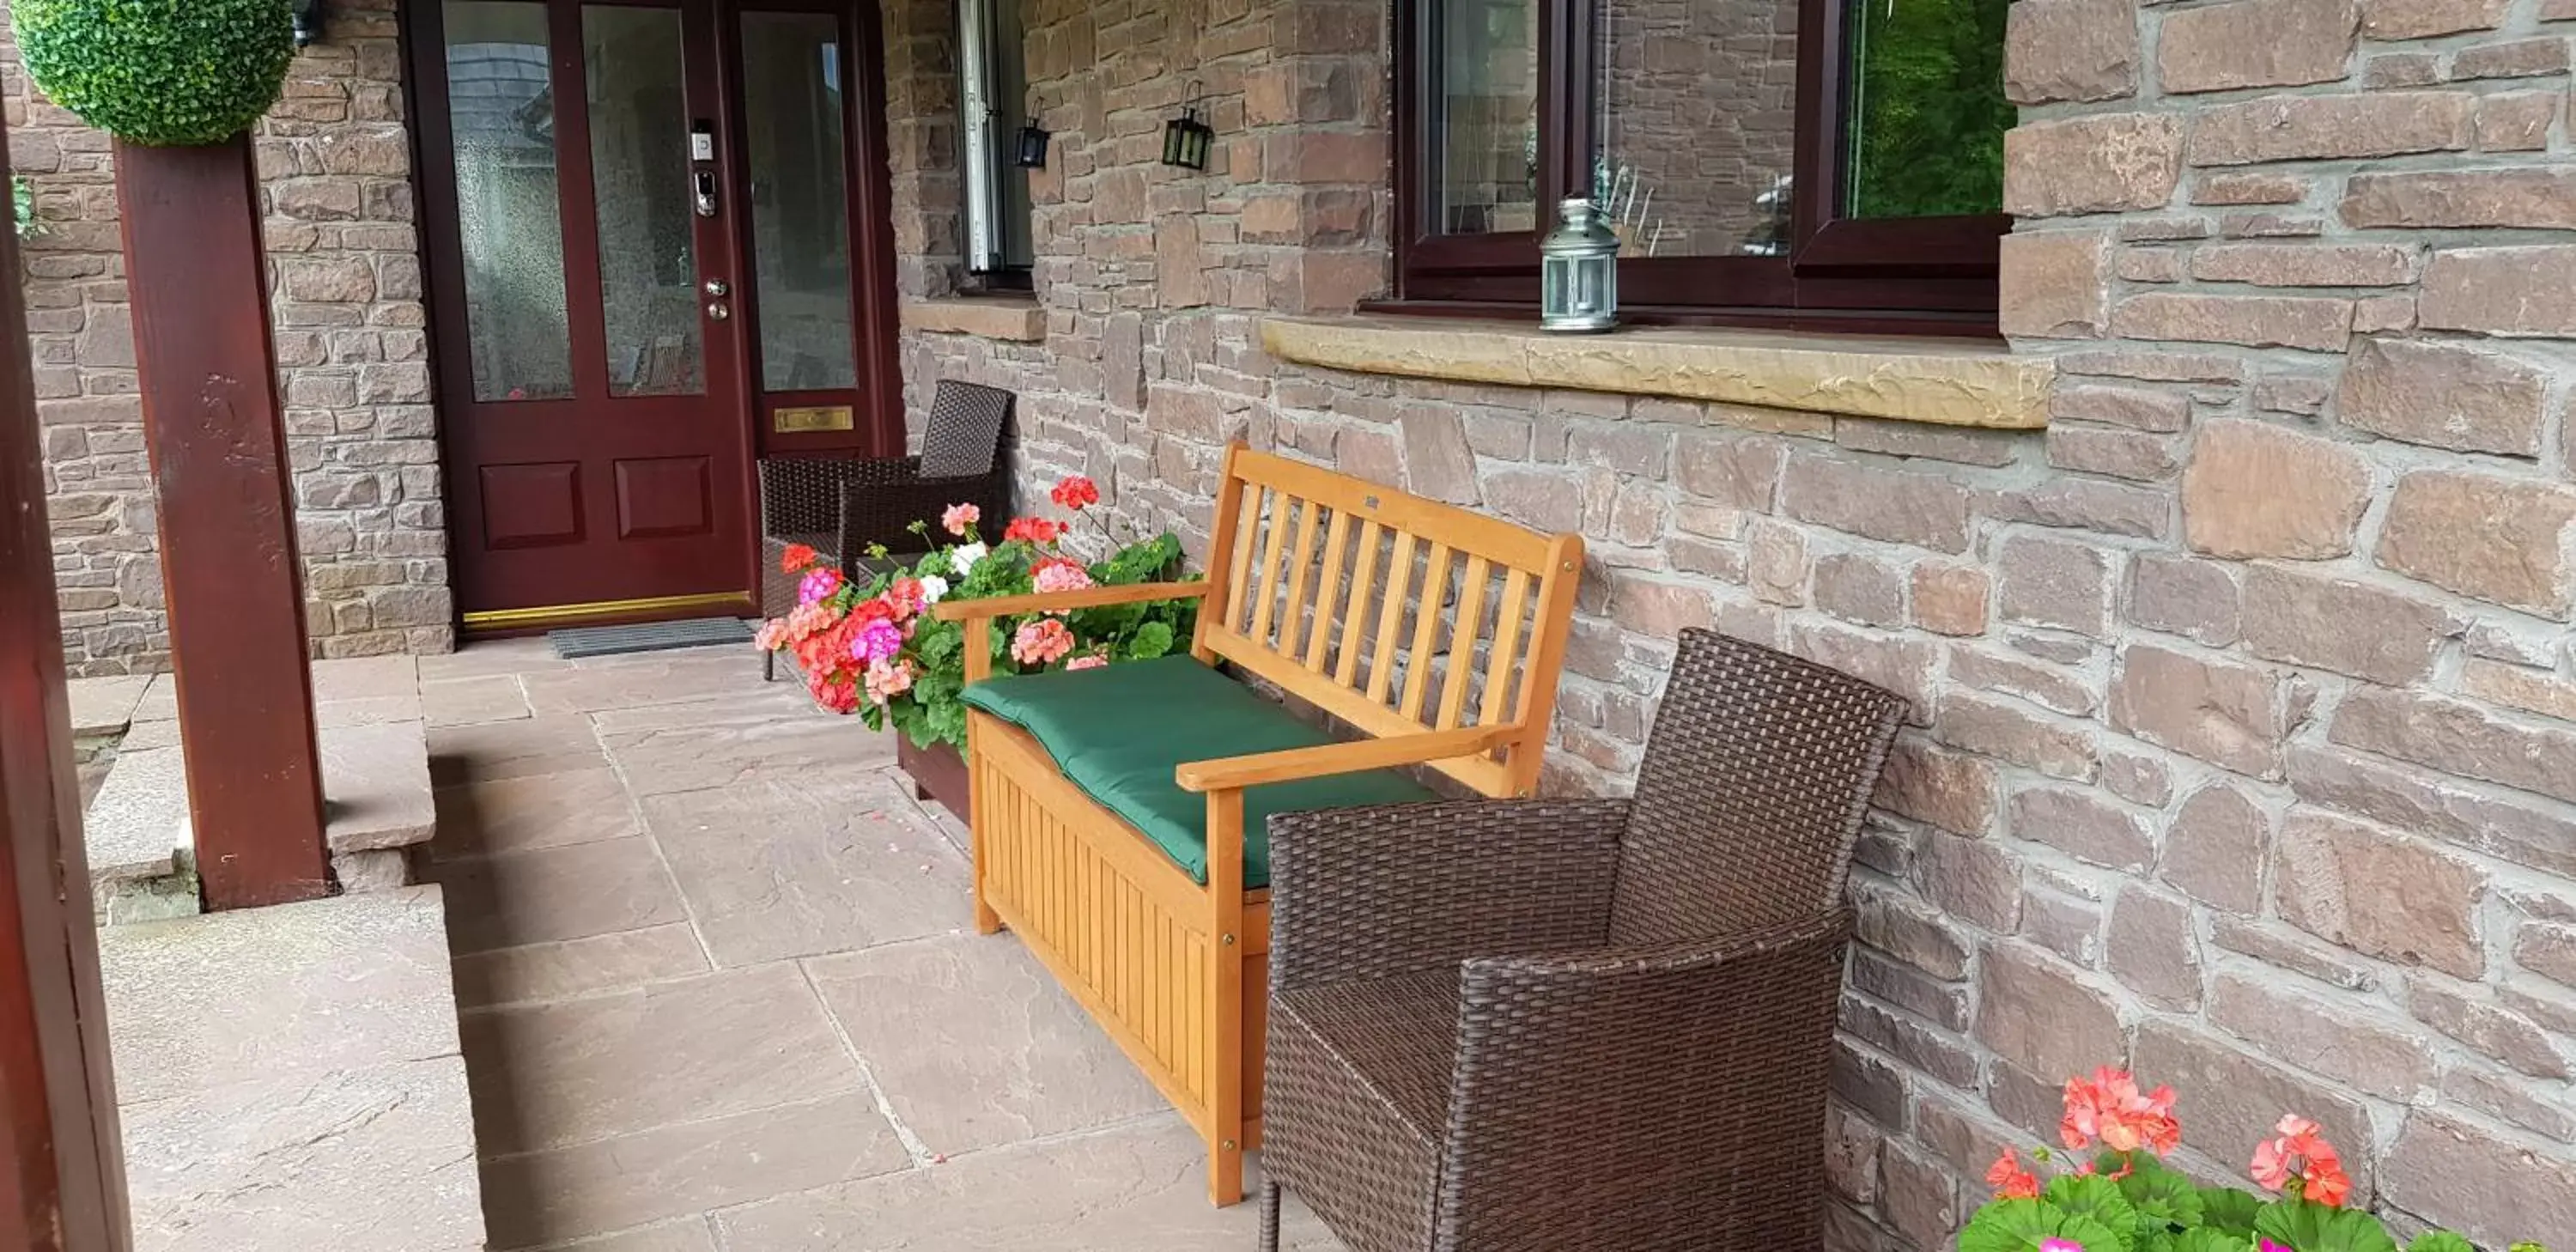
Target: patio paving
(720, 993)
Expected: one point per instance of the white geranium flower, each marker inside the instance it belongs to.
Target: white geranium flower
(933, 587)
(963, 557)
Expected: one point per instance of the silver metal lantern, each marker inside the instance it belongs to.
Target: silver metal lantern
(1578, 272)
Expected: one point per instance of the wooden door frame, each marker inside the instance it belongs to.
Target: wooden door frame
(881, 431)
(62, 1165)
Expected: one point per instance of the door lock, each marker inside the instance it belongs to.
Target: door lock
(718, 310)
(719, 288)
(703, 184)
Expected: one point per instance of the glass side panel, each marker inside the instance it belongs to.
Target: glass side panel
(1698, 125)
(1928, 113)
(639, 170)
(509, 220)
(1485, 177)
(800, 203)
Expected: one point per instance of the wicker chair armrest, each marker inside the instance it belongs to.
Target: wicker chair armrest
(1644, 1079)
(1389, 890)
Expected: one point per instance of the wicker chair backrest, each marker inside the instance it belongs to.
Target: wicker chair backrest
(964, 432)
(1754, 784)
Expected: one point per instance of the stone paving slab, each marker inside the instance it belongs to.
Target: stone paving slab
(574, 1071)
(464, 701)
(538, 811)
(105, 706)
(160, 702)
(136, 826)
(380, 1158)
(375, 785)
(627, 681)
(578, 967)
(692, 1167)
(841, 862)
(552, 894)
(975, 1045)
(366, 690)
(1139, 1187)
(715, 743)
(520, 748)
(297, 989)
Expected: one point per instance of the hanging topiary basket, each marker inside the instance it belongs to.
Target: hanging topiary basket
(159, 72)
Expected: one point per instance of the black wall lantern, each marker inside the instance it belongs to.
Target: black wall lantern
(1187, 138)
(1031, 154)
(308, 23)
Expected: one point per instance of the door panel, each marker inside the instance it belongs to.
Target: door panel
(650, 223)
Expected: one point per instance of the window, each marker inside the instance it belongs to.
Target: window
(1812, 163)
(993, 91)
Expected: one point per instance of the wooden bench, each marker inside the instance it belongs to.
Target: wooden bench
(1435, 631)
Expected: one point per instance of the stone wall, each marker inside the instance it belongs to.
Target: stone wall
(352, 356)
(2244, 747)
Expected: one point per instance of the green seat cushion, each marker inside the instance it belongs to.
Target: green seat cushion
(1118, 732)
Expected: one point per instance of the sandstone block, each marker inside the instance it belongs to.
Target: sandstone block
(2227, 714)
(2212, 847)
(1944, 789)
(2316, 323)
(2530, 690)
(2088, 829)
(2227, 1095)
(2458, 738)
(1925, 510)
(2255, 43)
(2338, 624)
(1974, 880)
(2024, 738)
(1437, 461)
(2256, 490)
(2357, 1047)
(1731, 470)
(2473, 1181)
(2164, 412)
(2106, 163)
(2501, 291)
(2129, 454)
(2305, 265)
(2445, 395)
(2050, 582)
(2539, 198)
(2423, 19)
(2517, 121)
(2070, 50)
(2389, 896)
(2041, 1015)
(2525, 833)
(1951, 599)
(2504, 540)
(2473, 1019)
(2183, 596)
(2334, 127)
(2054, 284)
(1860, 588)
(1911, 932)
(2153, 950)
(2520, 58)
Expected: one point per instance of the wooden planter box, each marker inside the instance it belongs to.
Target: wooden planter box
(938, 773)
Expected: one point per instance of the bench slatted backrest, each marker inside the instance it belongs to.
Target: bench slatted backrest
(1394, 613)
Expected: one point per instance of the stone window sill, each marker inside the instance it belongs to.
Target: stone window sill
(1017, 319)
(1895, 379)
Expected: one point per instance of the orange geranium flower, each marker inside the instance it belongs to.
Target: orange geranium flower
(794, 557)
(2298, 1151)
(2109, 1109)
(1032, 529)
(2010, 1180)
(1075, 492)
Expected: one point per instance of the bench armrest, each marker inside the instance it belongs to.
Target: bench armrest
(1292, 764)
(1061, 601)
(1388, 890)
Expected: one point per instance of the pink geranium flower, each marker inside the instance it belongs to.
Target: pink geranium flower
(2060, 1245)
(1088, 660)
(2298, 1151)
(1061, 574)
(888, 679)
(818, 585)
(960, 518)
(876, 642)
(1042, 642)
(2110, 1109)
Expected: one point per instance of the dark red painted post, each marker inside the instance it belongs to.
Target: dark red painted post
(197, 276)
(62, 1171)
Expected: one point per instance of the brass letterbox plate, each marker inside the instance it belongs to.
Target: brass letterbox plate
(818, 417)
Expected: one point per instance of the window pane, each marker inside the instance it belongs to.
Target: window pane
(639, 149)
(1928, 113)
(501, 107)
(1698, 125)
(800, 207)
(993, 86)
(1486, 147)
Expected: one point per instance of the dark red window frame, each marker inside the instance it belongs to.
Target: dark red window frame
(1930, 275)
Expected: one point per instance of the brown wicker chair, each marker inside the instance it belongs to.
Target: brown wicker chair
(1580, 1024)
(840, 507)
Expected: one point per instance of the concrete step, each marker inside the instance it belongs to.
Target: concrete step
(289, 1079)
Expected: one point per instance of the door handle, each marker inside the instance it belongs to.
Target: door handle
(718, 310)
(719, 288)
(703, 182)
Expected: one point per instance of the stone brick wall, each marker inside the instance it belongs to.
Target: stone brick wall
(352, 357)
(2244, 747)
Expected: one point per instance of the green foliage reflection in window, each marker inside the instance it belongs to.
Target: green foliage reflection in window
(1928, 112)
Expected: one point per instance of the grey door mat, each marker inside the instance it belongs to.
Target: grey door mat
(696, 632)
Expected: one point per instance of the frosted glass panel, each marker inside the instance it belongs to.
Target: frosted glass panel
(639, 167)
(501, 110)
(800, 203)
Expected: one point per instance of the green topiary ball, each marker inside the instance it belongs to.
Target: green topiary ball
(159, 72)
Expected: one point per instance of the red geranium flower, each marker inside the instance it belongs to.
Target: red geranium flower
(2109, 1108)
(1075, 492)
(2010, 1180)
(1032, 529)
(795, 557)
(2299, 1151)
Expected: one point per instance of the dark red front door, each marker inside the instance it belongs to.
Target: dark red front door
(644, 247)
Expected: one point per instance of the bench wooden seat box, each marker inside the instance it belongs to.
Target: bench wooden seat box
(1118, 812)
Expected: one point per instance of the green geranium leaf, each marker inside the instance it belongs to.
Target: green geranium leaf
(2094, 1196)
(2307, 1226)
(159, 72)
(2161, 1195)
(1153, 639)
(2230, 1210)
(2207, 1239)
(2441, 1241)
(2011, 1226)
